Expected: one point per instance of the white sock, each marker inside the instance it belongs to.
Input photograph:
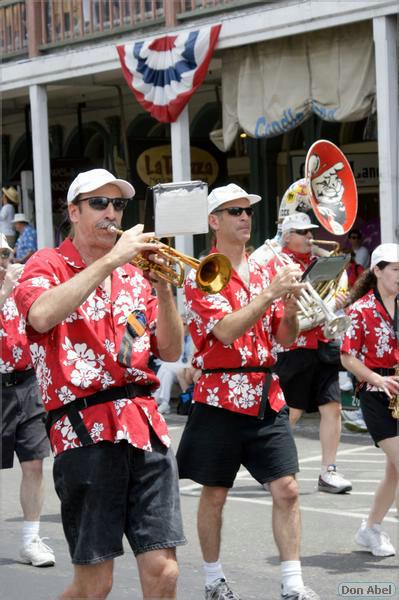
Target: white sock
(291, 576)
(29, 530)
(213, 571)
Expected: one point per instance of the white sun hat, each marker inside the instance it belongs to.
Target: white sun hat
(88, 181)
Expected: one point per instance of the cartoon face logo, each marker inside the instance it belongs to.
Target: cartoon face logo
(332, 187)
(328, 191)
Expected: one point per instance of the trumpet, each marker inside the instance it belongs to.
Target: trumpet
(313, 309)
(213, 272)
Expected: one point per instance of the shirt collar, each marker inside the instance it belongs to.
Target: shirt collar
(70, 254)
(300, 256)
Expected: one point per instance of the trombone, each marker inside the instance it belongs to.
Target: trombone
(213, 272)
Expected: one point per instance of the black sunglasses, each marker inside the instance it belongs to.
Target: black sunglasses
(101, 202)
(301, 231)
(236, 211)
(5, 253)
(354, 237)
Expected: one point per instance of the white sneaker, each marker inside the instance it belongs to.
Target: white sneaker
(333, 482)
(375, 540)
(37, 553)
(164, 408)
(220, 590)
(345, 382)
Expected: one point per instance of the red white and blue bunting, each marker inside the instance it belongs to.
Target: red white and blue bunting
(164, 73)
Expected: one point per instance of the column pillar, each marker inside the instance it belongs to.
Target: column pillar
(181, 169)
(386, 65)
(41, 165)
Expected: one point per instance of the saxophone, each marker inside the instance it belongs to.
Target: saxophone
(394, 400)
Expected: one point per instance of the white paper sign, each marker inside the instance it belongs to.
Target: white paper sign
(181, 208)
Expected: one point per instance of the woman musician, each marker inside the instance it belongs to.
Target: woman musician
(370, 351)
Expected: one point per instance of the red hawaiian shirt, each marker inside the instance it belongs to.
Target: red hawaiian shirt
(306, 339)
(371, 336)
(15, 355)
(78, 357)
(238, 392)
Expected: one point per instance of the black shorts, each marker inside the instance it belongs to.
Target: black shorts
(307, 383)
(22, 426)
(107, 490)
(377, 416)
(216, 442)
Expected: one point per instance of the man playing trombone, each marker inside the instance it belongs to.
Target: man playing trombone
(92, 321)
(239, 416)
(309, 384)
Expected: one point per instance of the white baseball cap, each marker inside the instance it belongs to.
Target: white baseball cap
(297, 220)
(4, 243)
(226, 193)
(20, 218)
(385, 253)
(88, 181)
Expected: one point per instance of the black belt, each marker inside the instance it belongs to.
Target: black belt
(384, 371)
(266, 385)
(16, 377)
(238, 370)
(130, 390)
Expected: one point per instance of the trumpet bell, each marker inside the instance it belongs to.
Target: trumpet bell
(213, 273)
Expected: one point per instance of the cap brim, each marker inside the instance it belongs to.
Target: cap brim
(305, 227)
(125, 187)
(253, 198)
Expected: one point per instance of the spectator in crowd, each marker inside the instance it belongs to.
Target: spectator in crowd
(22, 427)
(170, 372)
(362, 255)
(9, 202)
(370, 351)
(26, 243)
(93, 321)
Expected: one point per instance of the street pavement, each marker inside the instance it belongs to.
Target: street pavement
(330, 557)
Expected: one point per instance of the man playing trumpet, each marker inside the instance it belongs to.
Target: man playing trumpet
(113, 469)
(310, 385)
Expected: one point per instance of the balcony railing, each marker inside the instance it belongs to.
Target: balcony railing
(13, 29)
(53, 23)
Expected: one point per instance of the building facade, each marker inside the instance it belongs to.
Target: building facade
(325, 69)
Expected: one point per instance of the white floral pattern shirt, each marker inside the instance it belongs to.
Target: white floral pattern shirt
(14, 355)
(371, 336)
(78, 357)
(242, 391)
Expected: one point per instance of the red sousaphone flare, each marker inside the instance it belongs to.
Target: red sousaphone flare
(332, 187)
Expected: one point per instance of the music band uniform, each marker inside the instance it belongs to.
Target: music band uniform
(266, 447)
(372, 340)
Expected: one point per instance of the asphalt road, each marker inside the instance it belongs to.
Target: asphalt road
(333, 565)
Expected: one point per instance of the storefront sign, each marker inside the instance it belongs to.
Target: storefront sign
(154, 165)
(364, 166)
